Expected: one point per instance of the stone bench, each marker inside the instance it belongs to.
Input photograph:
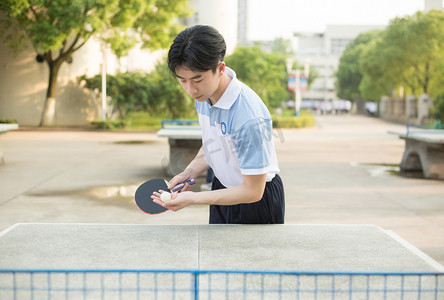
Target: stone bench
(185, 140)
(423, 154)
(3, 129)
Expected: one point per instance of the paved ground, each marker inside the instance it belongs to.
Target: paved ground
(339, 172)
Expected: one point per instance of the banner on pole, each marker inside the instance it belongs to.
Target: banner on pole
(292, 81)
(303, 81)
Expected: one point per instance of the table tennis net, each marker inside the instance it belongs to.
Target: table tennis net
(217, 284)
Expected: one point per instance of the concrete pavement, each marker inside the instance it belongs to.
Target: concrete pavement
(339, 172)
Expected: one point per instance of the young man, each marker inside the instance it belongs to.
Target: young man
(237, 140)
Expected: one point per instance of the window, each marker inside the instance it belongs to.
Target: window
(338, 45)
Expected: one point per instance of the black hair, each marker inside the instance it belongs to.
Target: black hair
(198, 48)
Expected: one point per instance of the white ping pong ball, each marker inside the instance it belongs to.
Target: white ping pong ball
(165, 196)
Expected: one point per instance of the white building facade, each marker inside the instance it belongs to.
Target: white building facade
(323, 51)
(222, 15)
(433, 4)
(242, 22)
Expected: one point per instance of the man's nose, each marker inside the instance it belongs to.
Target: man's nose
(191, 89)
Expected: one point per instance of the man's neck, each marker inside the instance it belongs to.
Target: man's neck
(223, 84)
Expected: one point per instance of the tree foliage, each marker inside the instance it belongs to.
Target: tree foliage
(157, 93)
(169, 94)
(128, 91)
(58, 28)
(349, 73)
(438, 107)
(282, 46)
(409, 53)
(376, 78)
(265, 73)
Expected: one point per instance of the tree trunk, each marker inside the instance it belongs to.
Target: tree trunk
(426, 79)
(48, 113)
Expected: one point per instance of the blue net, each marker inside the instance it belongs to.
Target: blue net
(217, 284)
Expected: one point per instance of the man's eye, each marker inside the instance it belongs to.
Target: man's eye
(197, 81)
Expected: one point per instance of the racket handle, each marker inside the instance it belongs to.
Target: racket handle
(180, 186)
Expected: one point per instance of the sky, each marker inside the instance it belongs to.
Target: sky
(270, 19)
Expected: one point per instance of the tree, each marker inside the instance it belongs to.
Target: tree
(409, 53)
(376, 79)
(168, 93)
(438, 107)
(128, 91)
(282, 46)
(349, 75)
(58, 28)
(265, 73)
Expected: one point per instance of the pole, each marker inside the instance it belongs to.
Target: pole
(104, 67)
(297, 90)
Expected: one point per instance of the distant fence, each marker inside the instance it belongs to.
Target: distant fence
(201, 284)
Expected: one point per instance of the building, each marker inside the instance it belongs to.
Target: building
(432, 4)
(242, 22)
(323, 51)
(229, 17)
(222, 15)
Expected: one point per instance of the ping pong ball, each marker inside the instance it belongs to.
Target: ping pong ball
(165, 196)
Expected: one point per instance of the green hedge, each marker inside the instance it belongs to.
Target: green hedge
(108, 124)
(8, 121)
(305, 119)
(438, 108)
(145, 121)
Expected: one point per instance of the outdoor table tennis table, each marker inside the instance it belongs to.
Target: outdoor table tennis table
(213, 261)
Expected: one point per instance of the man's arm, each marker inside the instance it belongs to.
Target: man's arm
(251, 190)
(196, 167)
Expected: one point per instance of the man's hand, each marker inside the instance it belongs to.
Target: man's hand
(177, 201)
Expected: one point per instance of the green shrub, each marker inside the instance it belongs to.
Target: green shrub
(108, 124)
(438, 108)
(157, 93)
(305, 119)
(8, 121)
(143, 121)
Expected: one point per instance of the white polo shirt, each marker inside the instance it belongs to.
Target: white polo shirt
(237, 134)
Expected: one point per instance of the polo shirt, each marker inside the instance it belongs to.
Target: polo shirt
(237, 134)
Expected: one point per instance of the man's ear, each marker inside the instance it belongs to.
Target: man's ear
(221, 67)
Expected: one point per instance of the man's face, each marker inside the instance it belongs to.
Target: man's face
(200, 85)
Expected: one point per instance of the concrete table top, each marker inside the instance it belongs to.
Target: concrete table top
(433, 136)
(210, 247)
(181, 132)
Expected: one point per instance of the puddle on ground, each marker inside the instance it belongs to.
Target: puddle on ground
(134, 142)
(107, 192)
(377, 170)
(116, 195)
(120, 195)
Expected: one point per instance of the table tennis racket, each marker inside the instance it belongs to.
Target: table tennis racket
(146, 189)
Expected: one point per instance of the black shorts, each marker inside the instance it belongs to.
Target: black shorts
(269, 210)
